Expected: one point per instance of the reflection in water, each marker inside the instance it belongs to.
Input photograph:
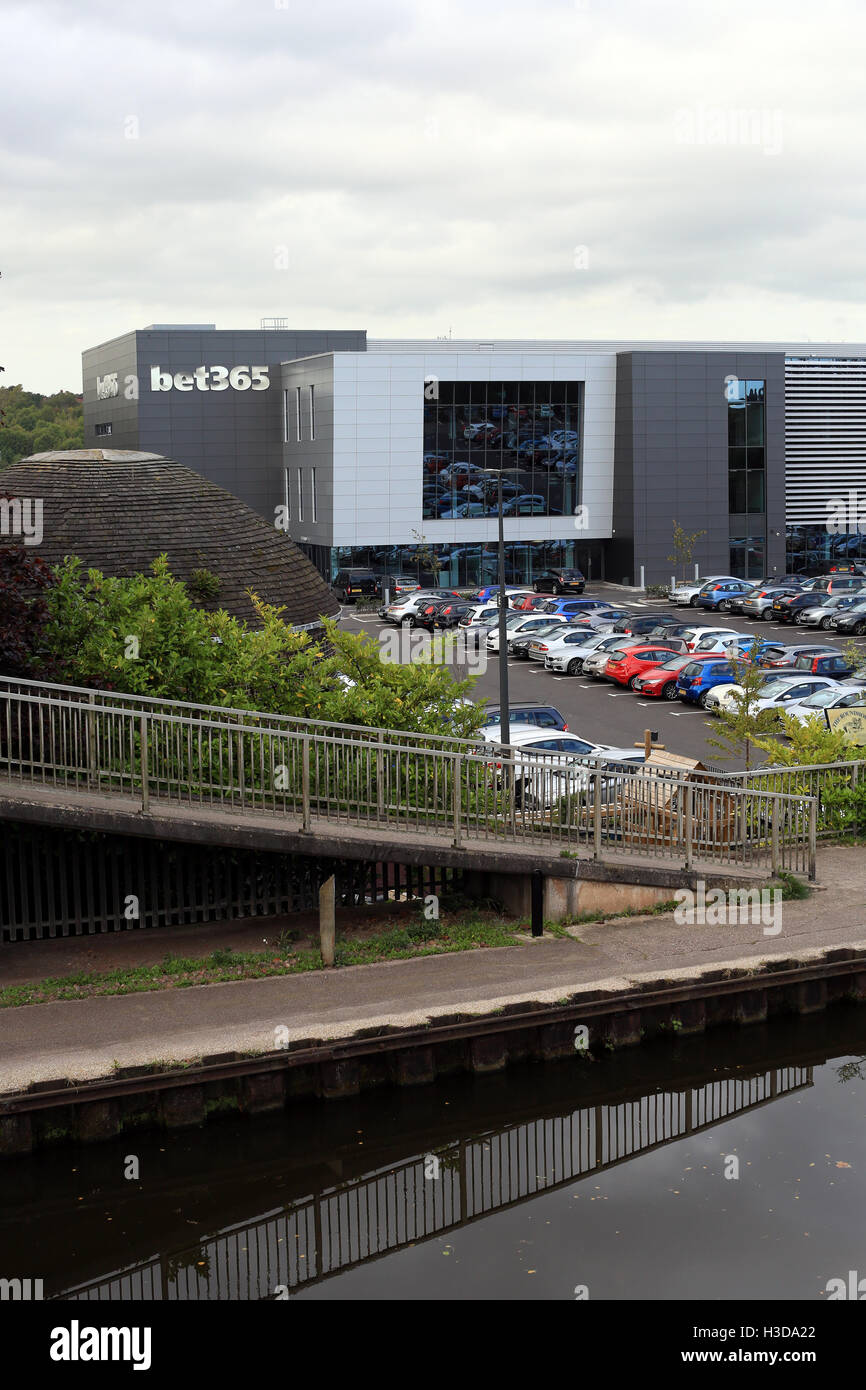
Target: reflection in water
(340, 1226)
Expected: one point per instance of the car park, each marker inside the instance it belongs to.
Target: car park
(696, 680)
(625, 665)
(562, 581)
(717, 595)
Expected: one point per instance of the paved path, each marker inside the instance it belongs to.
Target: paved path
(84, 1038)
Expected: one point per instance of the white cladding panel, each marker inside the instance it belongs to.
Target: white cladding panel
(378, 443)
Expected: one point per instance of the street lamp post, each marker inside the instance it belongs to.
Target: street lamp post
(504, 713)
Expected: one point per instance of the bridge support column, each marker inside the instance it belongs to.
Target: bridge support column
(328, 919)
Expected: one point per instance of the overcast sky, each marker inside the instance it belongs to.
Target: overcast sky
(563, 168)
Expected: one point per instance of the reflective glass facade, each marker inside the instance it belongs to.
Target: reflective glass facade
(747, 475)
(462, 565)
(812, 549)
(526, 433)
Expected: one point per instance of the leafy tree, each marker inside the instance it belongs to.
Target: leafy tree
(741, 726)
(33, 423)
(684, 543)
(25, 580)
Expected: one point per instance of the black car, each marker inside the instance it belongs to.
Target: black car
(449, 614)
(787, 606)
(853, 620)
(642, 627)
(352, 584)
(542, 716)
(429, 612)
(565, 581)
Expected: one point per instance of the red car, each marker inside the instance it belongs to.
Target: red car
(527, 603)
(661, 681)
(625, 665)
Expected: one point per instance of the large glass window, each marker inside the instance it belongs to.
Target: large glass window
(474, 564)
(526, 434)
(746, 471)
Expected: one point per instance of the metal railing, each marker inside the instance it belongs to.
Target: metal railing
(151, 753)
(823, 781)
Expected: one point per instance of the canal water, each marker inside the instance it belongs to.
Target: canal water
(726, 1166)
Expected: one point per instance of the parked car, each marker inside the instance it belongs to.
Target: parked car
(405, 609)
(710, 639)
(450, 615)
(853, 620)
(570, 606)
(518, 646)
(395, 585)
(549, 767)
(787, 656)
(595, 664)
(625, 665)
(823, 612)
(759, 603)
(698, 678)
(723, 696)
(660, 682)
(524, 713)
(517, 623)
(351, 584)
(778, 694)
(687, 591)
(788, 606)
(528, 504)
(815, 706)
(839, 584)
(561, 581)
(427, 612)
(718, 593)
(491, 590)
(642, 627)
(531, 603)
(837, 665)
(568, 651)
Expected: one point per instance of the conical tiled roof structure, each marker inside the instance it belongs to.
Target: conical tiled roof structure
(119, 509)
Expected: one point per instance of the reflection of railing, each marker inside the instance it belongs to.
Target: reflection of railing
(384, 1211)
(151, 753)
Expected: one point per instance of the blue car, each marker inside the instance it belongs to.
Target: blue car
(718, 593)
(490, 589)
(698, 678)
(572, 605)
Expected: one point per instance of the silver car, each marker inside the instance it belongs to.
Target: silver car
(825, 612)
(687, 592)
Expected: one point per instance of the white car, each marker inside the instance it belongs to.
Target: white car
(717, 640)
(783, 691)
(569, 651)
(687, 592)
(404, 610)
(520, 624)
(814, 705)
(560, 764)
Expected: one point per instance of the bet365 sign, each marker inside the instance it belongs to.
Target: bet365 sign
(211, 379)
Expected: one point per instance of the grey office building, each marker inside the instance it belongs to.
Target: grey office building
(377, 452)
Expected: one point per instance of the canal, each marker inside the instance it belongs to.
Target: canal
(725, 1166)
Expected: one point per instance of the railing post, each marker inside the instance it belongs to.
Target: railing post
(596, 814)
(813, 835)
(689, 823)
(241, 780)
(380, 777)
(92, 761)
(774, 835)
(456, 793)
(145, 778)
(305, 758)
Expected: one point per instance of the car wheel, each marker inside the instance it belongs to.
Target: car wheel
(768, 615)
(631, 683)
(724, 605)
(693, 601)
(557, 588)
(826, 624)
(536, 589)
(702, 700)
(669, 692)
(798, 619)
(860, 629)
(575, 666)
